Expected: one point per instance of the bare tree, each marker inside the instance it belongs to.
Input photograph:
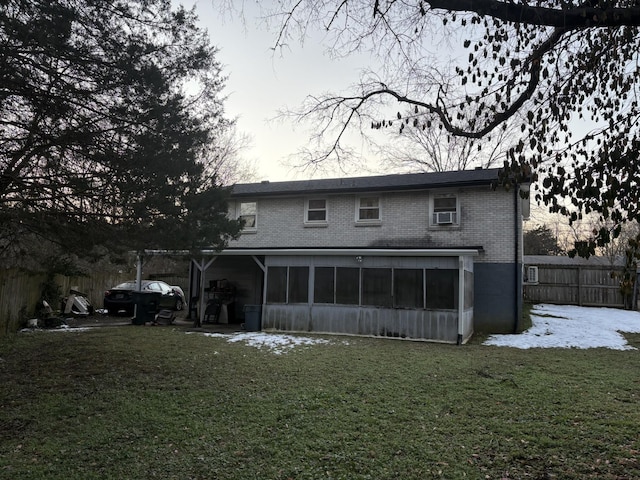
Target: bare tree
(565, 74)
(436, 150)
(224, 161)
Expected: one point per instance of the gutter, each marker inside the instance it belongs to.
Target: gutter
(372, 252)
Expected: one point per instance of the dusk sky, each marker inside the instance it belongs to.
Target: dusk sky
(261, 82)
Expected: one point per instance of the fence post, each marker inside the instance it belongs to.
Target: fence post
(579, 285)
(634, 298)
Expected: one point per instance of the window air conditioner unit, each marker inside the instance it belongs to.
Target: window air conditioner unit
(445, 218)
(532, 274)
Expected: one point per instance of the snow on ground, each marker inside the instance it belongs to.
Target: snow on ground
(561, 326)
(276, 343)
(554, 326)
(61, 328)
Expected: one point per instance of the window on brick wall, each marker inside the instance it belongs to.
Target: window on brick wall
(316, 211)
(445, 210)
(368, 210)
(248, 212)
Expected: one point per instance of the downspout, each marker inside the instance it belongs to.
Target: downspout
(516, 267)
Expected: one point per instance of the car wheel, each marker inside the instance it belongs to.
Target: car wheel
(179, 305)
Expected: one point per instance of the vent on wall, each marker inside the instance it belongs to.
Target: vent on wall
(532, 275)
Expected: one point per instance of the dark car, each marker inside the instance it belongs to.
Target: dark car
(121, 298)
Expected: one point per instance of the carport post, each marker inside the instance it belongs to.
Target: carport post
(138, 282)
(203, 270)
(139, 272)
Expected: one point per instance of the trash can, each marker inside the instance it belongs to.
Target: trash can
(147, 304)
(252, 318)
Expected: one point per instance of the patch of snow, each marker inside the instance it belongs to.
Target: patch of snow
(61, 328)
(276, 343)
(565, 326)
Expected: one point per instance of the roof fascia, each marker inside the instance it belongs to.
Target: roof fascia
(364, 189)
(377, 252)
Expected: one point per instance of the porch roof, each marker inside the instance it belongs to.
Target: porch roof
(380, 252)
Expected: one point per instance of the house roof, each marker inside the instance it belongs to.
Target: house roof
(411, 181)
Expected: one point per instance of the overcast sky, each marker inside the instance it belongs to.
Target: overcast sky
(261, 82)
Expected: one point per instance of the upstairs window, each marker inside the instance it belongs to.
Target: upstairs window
(368, 209)
(445, 210)
(247, 211)
(316, 211)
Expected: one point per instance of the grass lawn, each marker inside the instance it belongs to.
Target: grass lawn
(154, 402)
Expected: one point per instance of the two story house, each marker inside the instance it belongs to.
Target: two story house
(428, 256)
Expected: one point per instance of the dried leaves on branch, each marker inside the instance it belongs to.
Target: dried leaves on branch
(563, 74)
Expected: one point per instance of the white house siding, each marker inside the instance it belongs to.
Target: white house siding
(486, 220)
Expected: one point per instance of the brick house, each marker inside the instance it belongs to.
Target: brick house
(430, 256)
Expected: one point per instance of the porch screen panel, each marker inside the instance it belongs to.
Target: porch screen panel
(298, 284)
(442, 289)
(347, 286)
(468, 289)
(323, 290)
(277, 285)
(376, 287)
(408, 287)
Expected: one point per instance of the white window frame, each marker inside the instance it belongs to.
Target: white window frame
(308, 209)
(434, 221)
(368, 221)
(255, 215)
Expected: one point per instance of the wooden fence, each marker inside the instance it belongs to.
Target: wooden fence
(574, 282)
(21, 291)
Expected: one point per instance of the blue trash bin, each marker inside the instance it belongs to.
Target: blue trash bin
(252, 318)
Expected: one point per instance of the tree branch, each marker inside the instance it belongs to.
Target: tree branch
(534, 61)
(570, 18)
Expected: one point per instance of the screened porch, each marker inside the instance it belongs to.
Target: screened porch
(417, 294)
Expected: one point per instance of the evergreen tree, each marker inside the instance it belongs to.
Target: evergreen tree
(107, 111)
(541, 241)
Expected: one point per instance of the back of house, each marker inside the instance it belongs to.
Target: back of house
(430, 256)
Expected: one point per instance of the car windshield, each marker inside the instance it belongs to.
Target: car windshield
(126, 286)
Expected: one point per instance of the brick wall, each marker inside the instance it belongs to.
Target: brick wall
(486, 220)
